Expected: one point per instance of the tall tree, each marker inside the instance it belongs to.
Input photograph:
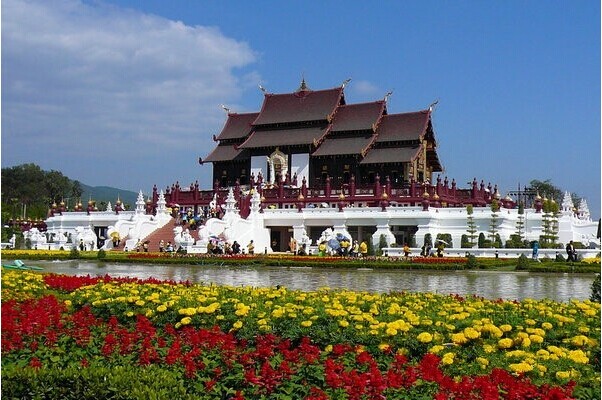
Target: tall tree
(547, 189)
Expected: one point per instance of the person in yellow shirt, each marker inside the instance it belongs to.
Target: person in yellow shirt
(406, 251)
(364, 249)
(322, 249)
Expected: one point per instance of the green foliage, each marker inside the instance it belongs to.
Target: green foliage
(596, 290)
(516, 242)
(471, 262)
(27, 188)
(101, 255)
(446, 237)
(523, 263)
(464, 243)
(482, 241)
(98, 382)
(471, 227)
(74, 253)
(547, 189)
(428, 239)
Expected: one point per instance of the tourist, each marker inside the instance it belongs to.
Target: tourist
(227, 248)
(570, 251)
(161, 246)
(535, 254)
(302, 251)
(364, 249)
(322, 249)
(345, 247)
(81, 245)
(235, 247)
(292, 245)
(145, 246)
(355, 249)
(406, 251)
(169, 247)
(251, 248)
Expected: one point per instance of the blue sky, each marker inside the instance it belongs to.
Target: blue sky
(127, 93)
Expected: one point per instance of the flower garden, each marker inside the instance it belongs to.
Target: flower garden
(73, 337)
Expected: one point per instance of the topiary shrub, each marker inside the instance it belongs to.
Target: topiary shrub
(522, 263)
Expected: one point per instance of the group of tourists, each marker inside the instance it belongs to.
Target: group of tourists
(344, 248)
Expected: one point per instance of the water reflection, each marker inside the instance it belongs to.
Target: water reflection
(493, 285)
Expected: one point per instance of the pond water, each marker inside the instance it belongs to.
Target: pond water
(492, 285)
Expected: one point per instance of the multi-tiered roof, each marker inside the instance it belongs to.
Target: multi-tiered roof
(321, 124)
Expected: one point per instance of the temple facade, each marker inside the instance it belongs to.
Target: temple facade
(306, 165)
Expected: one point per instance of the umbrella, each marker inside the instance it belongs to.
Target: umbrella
(334, 244)
(340, 237)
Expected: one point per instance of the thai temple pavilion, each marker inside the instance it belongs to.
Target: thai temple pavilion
(308, 165)
(315, 136)
(310, 147)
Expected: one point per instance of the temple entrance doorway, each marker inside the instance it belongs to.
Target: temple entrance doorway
(404, 234)
(101, 235)
(280, 237)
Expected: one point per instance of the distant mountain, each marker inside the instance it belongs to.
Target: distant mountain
(108, 194)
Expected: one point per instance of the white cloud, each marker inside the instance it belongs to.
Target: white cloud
(365, 89)
(80, 78)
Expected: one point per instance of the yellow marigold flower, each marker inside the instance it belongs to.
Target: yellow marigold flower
(526, 342)
(578, 356)
(384, 347)
(471, 333)
(140, 303)
(483, 361)
(129, 314)
(391, 331)
(186, 320)
(580, 340)
(506, 328)
(359, 327)
(488, 348)
(237, 324)
(436, 349)
(547, 326)
(505, 343)
(530, 322)
(162, 308)
(343, 323)
(425, 337)
(583, 329)
(536, 339)
(306, 324)
(328, 348)
(149, 313)
(562, 375)
(459, 338)
(521, 367)
(448, 358)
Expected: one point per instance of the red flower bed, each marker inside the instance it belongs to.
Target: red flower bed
(39, 330)
(70, 283)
